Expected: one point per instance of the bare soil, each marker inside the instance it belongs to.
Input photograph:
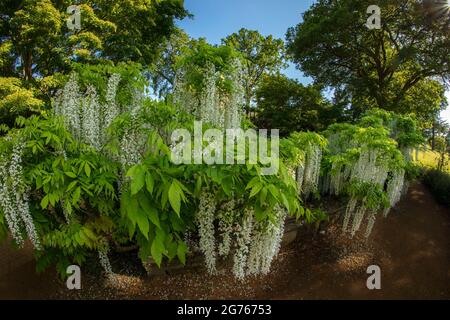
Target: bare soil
(411, 246)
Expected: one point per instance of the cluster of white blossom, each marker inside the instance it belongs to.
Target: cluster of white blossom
(308, 171)
(243, 240)
(205, 217)
(254, 244)
(14, 198)
(106, 265)
(236, 100)
(370, 167)
(130, 145)
(226, 221)
(365, 169)
(212, 104)
(90, 119)
(84, 115)
(395, 188)
(351, 205)
(408, 153)
(110, 109)
(210, 109)
(68, 104)
(265, 243)
(182, 95)
(370, 222)
(333, 183)
(104, 261)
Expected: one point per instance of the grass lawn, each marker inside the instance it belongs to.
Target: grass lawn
(429, 159)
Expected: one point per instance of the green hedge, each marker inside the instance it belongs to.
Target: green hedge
(439, 184)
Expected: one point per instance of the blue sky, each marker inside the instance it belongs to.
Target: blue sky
(216, 19)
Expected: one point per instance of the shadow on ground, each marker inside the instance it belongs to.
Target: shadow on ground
(411, 246)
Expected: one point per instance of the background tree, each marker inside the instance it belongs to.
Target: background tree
(288, 105)
(260, 54)
(36, 46)
(40, 42)
(162, 72)
(16, 99)
(380, 67)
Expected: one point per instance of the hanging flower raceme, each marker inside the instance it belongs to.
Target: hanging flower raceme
(226, 221)
(14, 202)
(367, 165)
(85, 117)
(303, 153)
(205, 219)
(244, 231)
(266, 243)
(253, 244)
(210, 101)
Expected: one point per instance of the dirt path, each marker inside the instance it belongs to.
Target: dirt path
(18, 278)
(411, 246)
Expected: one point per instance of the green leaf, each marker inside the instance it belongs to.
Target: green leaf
(149, 182)
(76, 196)
(181, 251)
(130, 172)
(273, 190)
(285, 202)
(142, 221)
(44, 202)
(132, 208)
(198, 185)
(263, 195)
(157, 251)
(149, 209)
(71, 185)
(53, 198)
(160, 235)
(252, 182)
(227, 185)
(260, 213)
(172, 250)
(124, 200)
(87, 169)
(177, 223)
(71, 174)
(131, 229)
(138, 180)
(256, 188)
(174, 197)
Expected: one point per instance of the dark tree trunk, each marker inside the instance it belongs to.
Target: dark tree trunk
(28, 65)
(433, 136)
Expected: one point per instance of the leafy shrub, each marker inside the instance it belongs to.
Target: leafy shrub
(439, 184)
(368, 162)
(95, 175)
(74, 198)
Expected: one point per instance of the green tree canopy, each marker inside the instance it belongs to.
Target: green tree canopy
(36, 42)
(287, 105)
(163, 70)
(37, 47)
(379, 67)
(197, 57)
(260, 54)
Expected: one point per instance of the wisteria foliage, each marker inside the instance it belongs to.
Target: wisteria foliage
(84, 115)
(253, 244)
(367, 165)
(14, 198)
(303, 151)
(212, 103)
(361, 162)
